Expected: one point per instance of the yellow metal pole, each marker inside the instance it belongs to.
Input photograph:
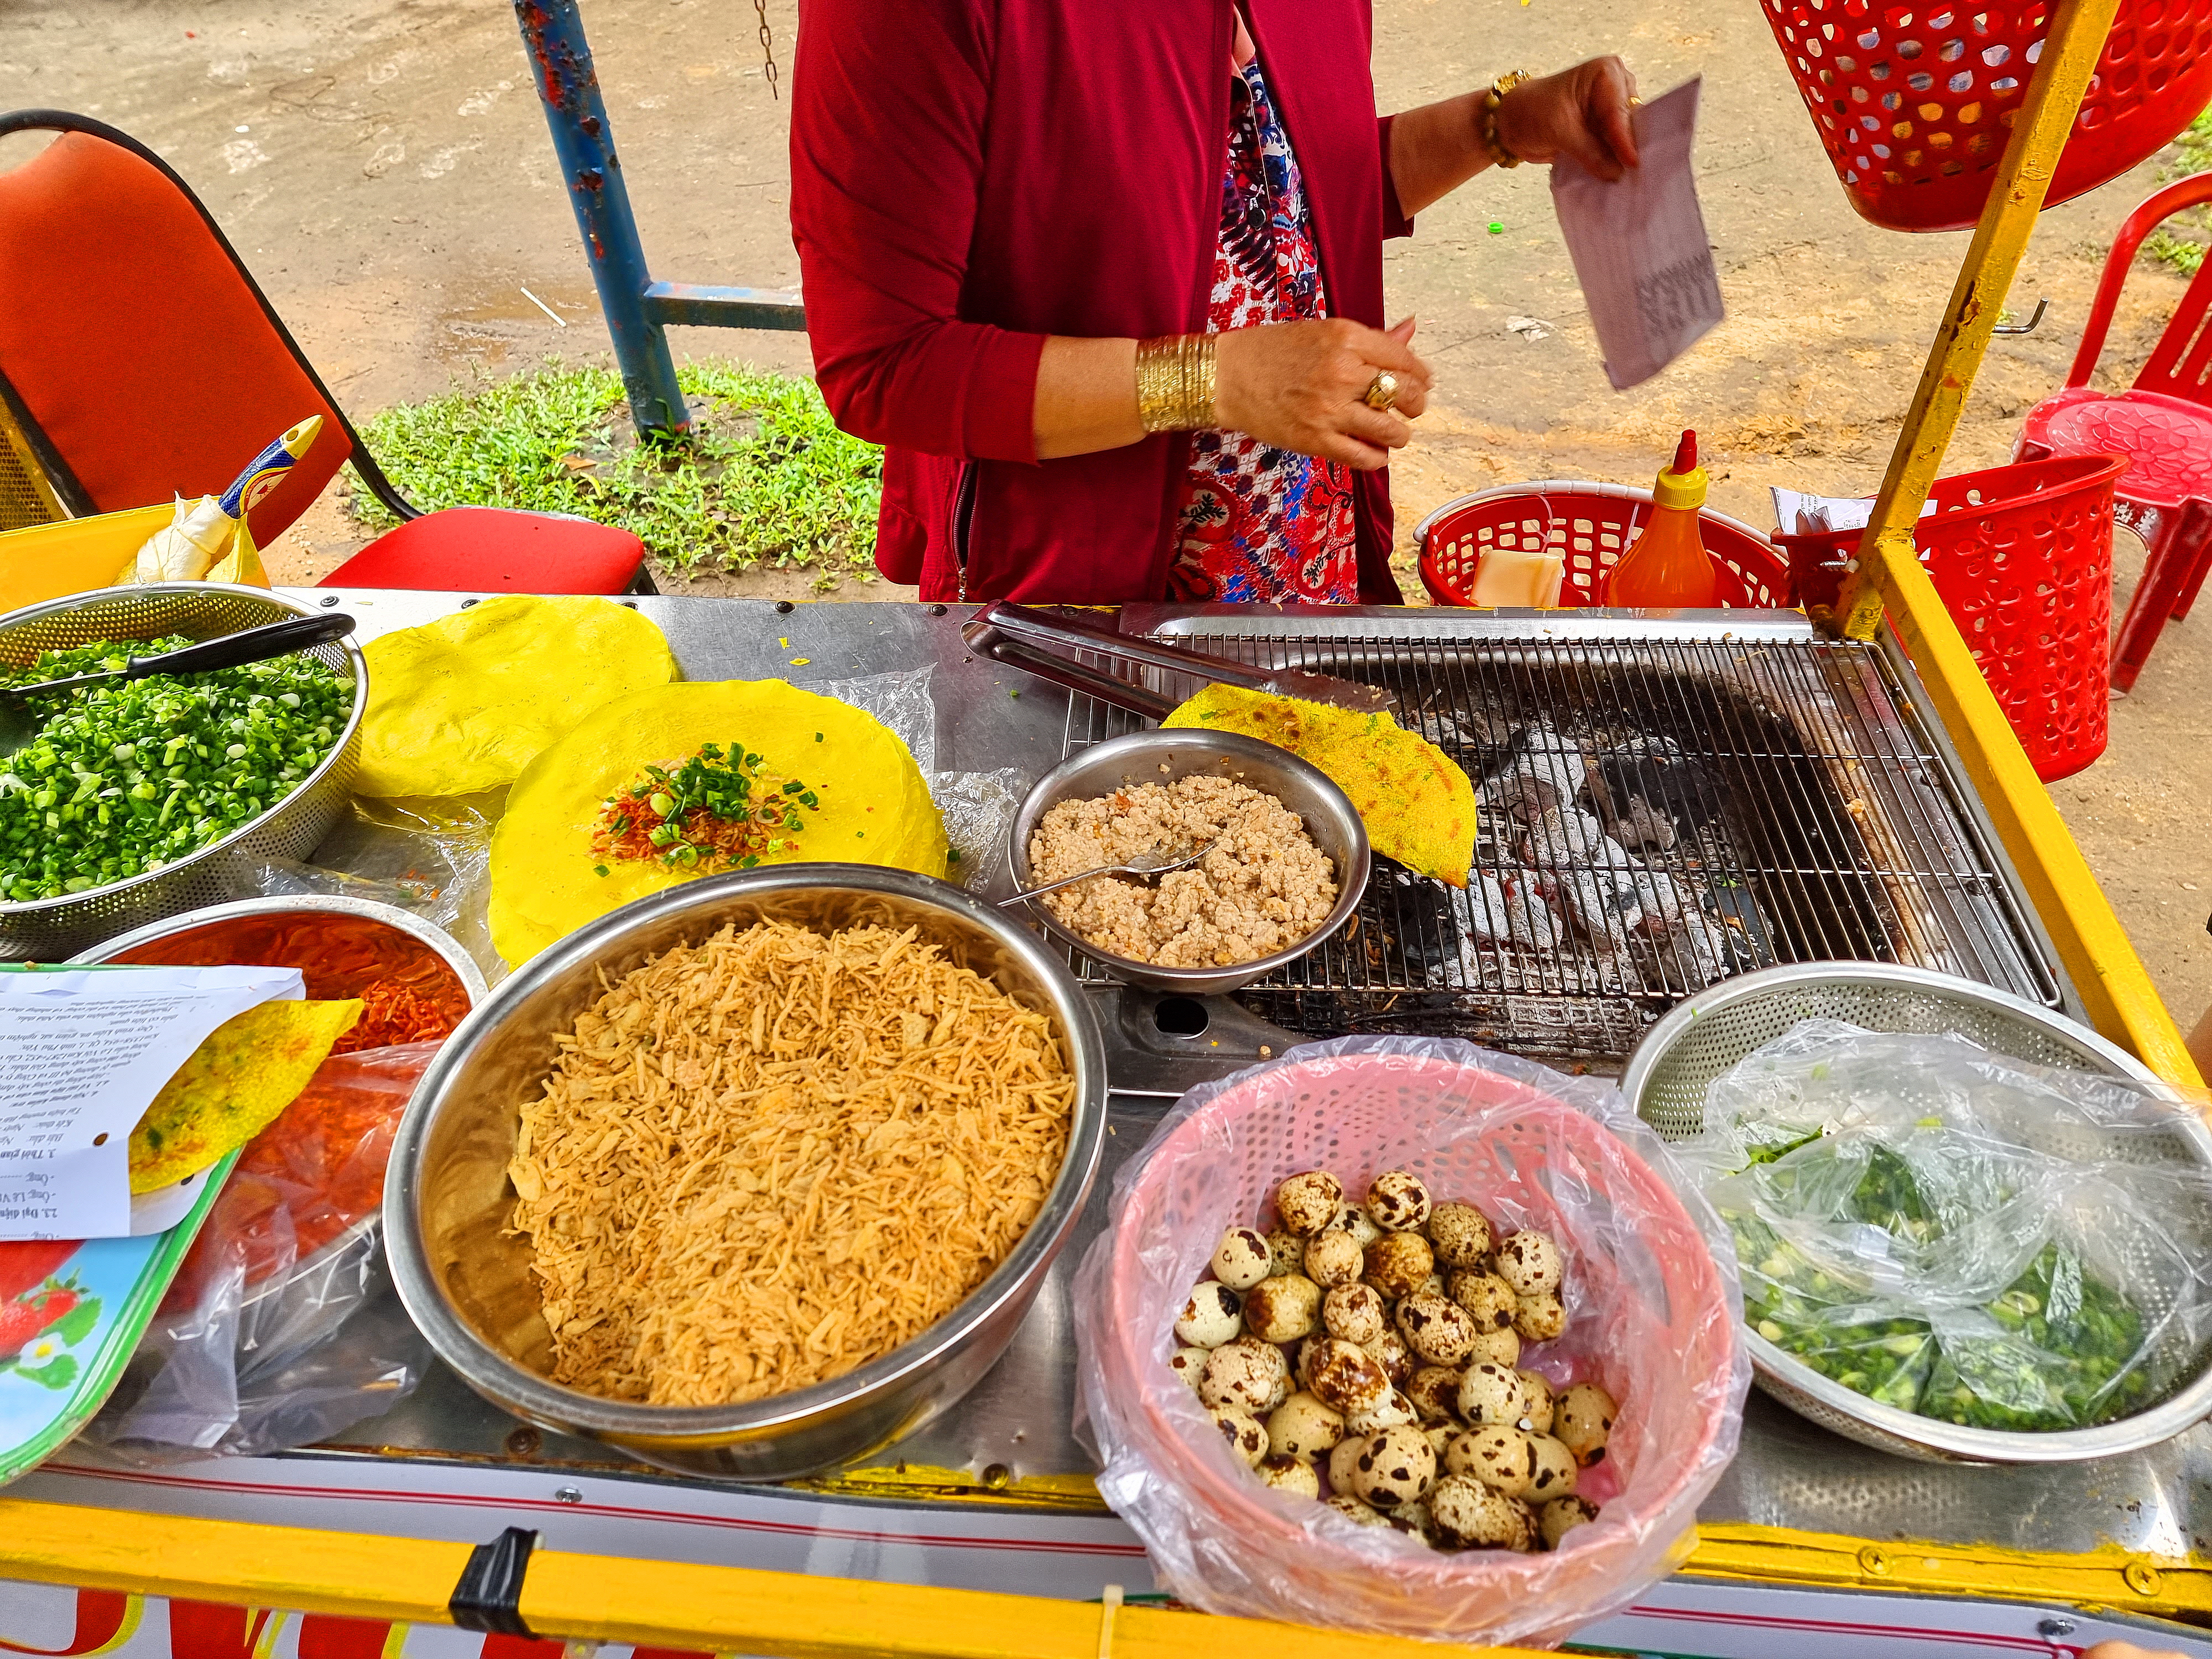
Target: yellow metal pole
(2023, 178)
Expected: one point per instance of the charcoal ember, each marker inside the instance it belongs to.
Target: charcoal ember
(1540, 771)
(1684, 791)
(1505, 907)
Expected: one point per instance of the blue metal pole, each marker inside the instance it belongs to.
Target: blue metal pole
(569, 87)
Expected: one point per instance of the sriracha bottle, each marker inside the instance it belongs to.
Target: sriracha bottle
(1669, 568)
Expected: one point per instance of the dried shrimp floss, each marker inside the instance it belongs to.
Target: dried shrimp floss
(763, 1161)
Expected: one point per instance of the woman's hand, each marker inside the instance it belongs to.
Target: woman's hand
(1299, 386)
(1582, 112)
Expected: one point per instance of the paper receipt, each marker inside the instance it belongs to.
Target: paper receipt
(1639, 245)
(81, 1056)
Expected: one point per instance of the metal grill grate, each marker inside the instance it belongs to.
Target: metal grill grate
(1815, 821)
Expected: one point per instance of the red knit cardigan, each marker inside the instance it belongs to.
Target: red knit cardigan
(970, 176)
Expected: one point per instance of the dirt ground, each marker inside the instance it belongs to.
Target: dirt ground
(384, 166)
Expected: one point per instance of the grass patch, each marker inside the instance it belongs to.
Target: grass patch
(2184, 254)
(767, 478)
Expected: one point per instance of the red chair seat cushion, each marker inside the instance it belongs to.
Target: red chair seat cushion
(489, 550)
(2168, 442)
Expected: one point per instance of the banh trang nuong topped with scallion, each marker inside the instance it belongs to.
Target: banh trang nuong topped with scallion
(1956, 1233)
(124, 778)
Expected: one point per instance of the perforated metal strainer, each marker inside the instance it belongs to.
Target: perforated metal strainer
(1666, 1081)
(53, 929)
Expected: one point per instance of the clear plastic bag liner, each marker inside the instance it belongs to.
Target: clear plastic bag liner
(281, 1326)
(1653, 1314)
(977, 807)
(1961, 1234)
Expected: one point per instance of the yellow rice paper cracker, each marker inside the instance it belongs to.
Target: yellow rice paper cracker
(464, 703)
(232, 1086)
(1417, 803)
(871, 804)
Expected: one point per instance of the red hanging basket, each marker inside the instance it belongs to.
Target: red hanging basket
(2022, 559)
(1915, 103)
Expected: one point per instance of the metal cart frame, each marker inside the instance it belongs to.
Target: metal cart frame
(663, 1605)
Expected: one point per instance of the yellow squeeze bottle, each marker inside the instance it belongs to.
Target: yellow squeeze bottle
(1669, 568)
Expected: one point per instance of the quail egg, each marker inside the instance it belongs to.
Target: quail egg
(1393, 1410)
(1247, 1439)
(1395, 1467)
(1332, 1258)
(1342, 1375)
(1555, 1470)
(1440, 1331)
(1583, 1419)
(1287, 1251)
(1354, 1312)
(1561, 1516)
(1292, 1474)
(1187, 1363)
(1434, 1390)
(1213, 1315)
(1491, 1394)
(1243, 1259)
(1467, 1515)
(1397, 1202)
(1282, 1309)
(1498, 1457)
(1537, 1419)
(1353, 1511)
(1540, 1318)
(1460, 1234)
(1249, 1374)
(1356, 1221)
(1497, 1348)
(1343, 1463)
(1397, 1263)
(1390, 1353)
(1308, 1202)
(1530, 1263)
(1488, 1299)
(1303, 1427)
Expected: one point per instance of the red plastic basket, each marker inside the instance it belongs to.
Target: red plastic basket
(2022, 556)
(1590, 525)
(1915, 103)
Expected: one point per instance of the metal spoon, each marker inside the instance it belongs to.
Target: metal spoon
(1145, 864)
(19, 725)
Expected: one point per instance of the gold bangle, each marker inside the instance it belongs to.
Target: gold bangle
(1491, 101)
(1175, 383)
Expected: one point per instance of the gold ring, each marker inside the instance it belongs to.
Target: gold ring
(1382, 391)
(1634, 102)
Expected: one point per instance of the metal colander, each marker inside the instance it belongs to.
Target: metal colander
(51, 929)
(1666, 1081)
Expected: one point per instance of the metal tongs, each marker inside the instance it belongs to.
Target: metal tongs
(1016, 636)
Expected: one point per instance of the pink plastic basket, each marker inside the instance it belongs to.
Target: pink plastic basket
(1590, 526)
(1653, 1316)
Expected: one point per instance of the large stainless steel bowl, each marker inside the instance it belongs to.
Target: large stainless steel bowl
(48, 929)
(447, 1199)
(1161, 755)
(1666, 1083)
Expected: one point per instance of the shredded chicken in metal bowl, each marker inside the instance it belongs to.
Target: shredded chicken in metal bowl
(1262, 885)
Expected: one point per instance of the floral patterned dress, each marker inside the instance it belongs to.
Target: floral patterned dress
(1258, 524)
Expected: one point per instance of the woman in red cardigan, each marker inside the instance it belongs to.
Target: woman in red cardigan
(1105, 277)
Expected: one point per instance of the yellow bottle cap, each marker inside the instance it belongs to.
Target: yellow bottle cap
(1683, 484)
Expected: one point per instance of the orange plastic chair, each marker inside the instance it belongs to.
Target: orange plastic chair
(140, 359)
(2162, 424)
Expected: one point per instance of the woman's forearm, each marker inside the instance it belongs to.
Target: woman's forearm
(1436, 148)
(1086, 397)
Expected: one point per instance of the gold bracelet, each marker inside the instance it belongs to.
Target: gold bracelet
(1490, 101)
(1175, 383)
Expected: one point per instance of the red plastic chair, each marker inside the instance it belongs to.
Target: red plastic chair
(140, 359)
(2163, 424)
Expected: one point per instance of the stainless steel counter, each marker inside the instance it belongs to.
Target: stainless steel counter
(1015, 1425)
